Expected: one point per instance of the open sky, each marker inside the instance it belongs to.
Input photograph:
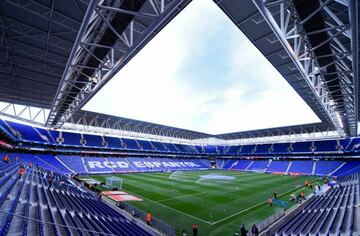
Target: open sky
(202, 73)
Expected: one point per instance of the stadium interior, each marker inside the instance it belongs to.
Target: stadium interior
(69, 171)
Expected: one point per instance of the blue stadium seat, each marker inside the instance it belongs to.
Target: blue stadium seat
(54, 135)
(247, 149)
(6, 129)
(333, 213)
(303, 167)
(93, 140)
(210, 149)
(301, 147)
(74, 162)
(344, 143)
(113, 142)
(145, 145)
(233, 150)
(171, 147)
(280, 148)
(259, 165)
(71, 138)
(130, 144)
(159, 146)
(27, 132)
(350, 167)
(241, 164)
(278, 166)
(262, 149)
(326, 146)
(326, 167)
(45, 135)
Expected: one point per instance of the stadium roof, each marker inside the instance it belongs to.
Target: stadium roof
(277, 131)
(58, 54)
(88, 118)
(36, 38)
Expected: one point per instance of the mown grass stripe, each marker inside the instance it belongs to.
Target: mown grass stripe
(182, 202)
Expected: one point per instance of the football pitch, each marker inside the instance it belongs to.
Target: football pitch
(218, 205)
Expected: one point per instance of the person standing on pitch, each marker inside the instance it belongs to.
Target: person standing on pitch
(6, 159)
(148, 218)
(243, 231)
(254, 230)
(195, 228)
(21, 171)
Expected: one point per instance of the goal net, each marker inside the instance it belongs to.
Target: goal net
(113, 182)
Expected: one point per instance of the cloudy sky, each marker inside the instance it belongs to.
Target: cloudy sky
(201, 73)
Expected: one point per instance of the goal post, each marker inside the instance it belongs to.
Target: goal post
(113, 182)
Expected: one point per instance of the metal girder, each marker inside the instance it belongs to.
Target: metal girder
(290, 30)
(93, 61)
(330, 87)
(29, 114)
(89, 121)
(39, 10)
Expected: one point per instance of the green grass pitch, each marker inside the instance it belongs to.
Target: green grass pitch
(217, 206)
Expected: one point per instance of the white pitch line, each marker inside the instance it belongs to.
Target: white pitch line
(207, 222)
(237, 213)
(194, 217)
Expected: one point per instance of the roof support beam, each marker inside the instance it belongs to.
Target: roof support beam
(128, 43)
(29, 114)
(299, 50)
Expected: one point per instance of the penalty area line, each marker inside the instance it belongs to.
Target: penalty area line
(194, 217)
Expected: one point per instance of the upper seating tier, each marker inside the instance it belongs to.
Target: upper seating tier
(26, 133)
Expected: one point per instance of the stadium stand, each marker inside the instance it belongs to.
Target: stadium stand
(210, 149)
(55, 57)
(232, 150)
(303, 167)
(130, 144)
(65, 164)
(26, 132)
(301, 147)
(280, 148)
(112, 142)
(171, 147)
(75, 162)
(326, 146)
(45, 135)
(326, 167)
(247, 149)
(155, 157)
(262, 149)
(350, 167)
(61, 209)
(93, 140)
(260, 165)
(159, 146)
(337, 212)
(69, 138)
(278, 166)
(145, 145)
(237, 164)
(29, 134)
